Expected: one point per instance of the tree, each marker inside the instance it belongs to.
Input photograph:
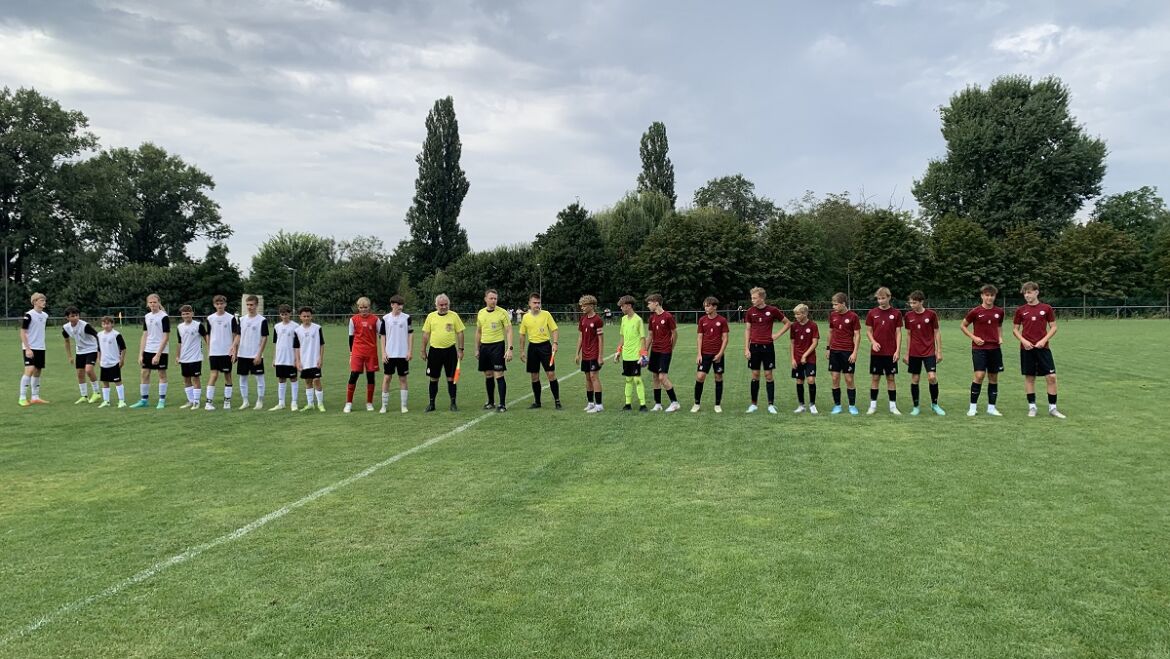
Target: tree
(691, 255)
(736, 195)
(1024, 254)
(887, 251)
(1015, 156)
(510, 269)
(793, 259)
(572, 257)
(1141, 213)
(272, 275)
(1096, 260)
(626, 226)
(1159, 263)
(37, 137)
(436, 239)
(961, 254)
(214, 275)
(838, 220)
(657, 171)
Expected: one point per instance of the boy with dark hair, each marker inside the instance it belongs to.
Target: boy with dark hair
(81, 334)
(250, 353)
(284, 358)
(663, 336)
(191, 336)
(397, 349)
(1034, 326)
(924, 350)
(310, 356)
(986, 355)
(844, 341)
(632, 353)
(111, 358)
(714, 331)
(223, 340)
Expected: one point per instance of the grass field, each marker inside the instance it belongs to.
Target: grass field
(563, 534)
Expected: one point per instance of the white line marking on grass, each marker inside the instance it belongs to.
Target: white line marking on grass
(244, 530)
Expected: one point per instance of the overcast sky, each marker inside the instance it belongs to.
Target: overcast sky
(309, 113)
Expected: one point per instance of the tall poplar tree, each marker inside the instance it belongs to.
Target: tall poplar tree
(436, 239)
(657, 170)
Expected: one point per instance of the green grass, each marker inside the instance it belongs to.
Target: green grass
(561, 534)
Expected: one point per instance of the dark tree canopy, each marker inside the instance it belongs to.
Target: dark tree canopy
(657, 170)
(572, 256)
(736, 195)
(436, 238)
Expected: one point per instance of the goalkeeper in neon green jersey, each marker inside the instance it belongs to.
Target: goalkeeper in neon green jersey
(632, 353)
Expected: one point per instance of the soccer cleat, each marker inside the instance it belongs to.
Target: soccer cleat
(642, 408)
(259, 405)
(227, 405)
(937, 410)
(293, 407)
(853, 410)
(430, 407)
(991, 411)
(1055, 413)
(657, 407)
(194, 407)
(836, 410)
(278, 406)
(719, 409)
(308, 407)
(320, 407)
(454, 407)
(694, 408)
(105, 403)
(83, 399)
(209, 407)
(23, 402)
(95, 397)
(627, 407)
(812, 409)
(369, 407)
(534, 406)
(972, 411)
(183, 406)
(596, 409)
(1032, 410)
(751, 409)
(39, 401)
(348, 408)
(872, 409)
(122, 405)
(894, 410)
(162, 404)
(799, 409)
(489, 406)
(501, 408)
(139, 405)
(772, 409)
(383, 409)
(590, 406)
(673, 407)
(557, 405)
(404, 410)
(244, 405)
(914, 411)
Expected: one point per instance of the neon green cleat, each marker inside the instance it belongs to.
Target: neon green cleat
(95, 397)
(122, 405)
(320, 407)
(23, 402)
(83, 399)
(105, 403)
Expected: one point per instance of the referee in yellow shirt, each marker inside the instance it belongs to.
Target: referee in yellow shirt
(442, 347)
(493, 347)
(541, 331)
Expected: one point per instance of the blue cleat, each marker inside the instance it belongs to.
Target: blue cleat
(853, 410)
(836, 410)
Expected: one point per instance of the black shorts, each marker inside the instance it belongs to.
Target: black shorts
(310, 374)
(83, 360)
(709, 363)
(1037, 361)
(539, 356)
(285, 371)
(660, 362)
(990, 361)
(191, 369)
(805, 370)
(148, 361)
(762, 356)
(590, 365)
(245, 366)
(491, 356)
(915, 365)
(111, 373)
(36, 361)
(883, 365)
(442, 359)
(221, 363)
(399, 365)
(839, 361)
(631, 369)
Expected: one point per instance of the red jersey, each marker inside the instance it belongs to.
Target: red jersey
(590, 329)
(661, 325)
(712, 330)
(803, 337)
(985, 324)
(886, 323)
(841, 329)
(922, 327)
(760, 321)
(1033, 320)
(364, 332)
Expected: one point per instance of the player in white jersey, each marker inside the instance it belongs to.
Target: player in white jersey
(192, 336)
(284, 358)
(250, 354)
(223, 333)
(397, 348)
(32, 342)
(81, 348)
(153, 349)
(310, 355)
(111, 358)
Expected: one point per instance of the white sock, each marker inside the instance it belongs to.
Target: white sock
(84, 389)
(162, 390)
(144, 391)
(95, 386)
(24, 382)
(280, 388)
(261, 385)
(244, 388)
(309, 395)
(190, 396)
(210, 392)
(320, 396)
(227, 393)
(385, 398)
(197, 392)
(402, 395)
(121, 393)
(106, 395)
(34, 384)
(296, 390)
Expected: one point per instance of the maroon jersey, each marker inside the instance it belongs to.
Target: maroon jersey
(1033, 320)
(760, 321)
(922, 327)
(886, 323)
(802, 338)
(591, 329)
(985, 324)
(841, 329)
(712, 330)
(661, 325)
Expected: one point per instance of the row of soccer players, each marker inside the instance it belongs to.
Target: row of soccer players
(299, 350)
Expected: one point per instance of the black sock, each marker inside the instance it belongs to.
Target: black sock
(812, 394)
(915, 393)
(1032, 398)
(503, 389)
(657, 396)
(992, 393)
(719, 392)
(491, 390)
(934, 393)
(536, 392)
(873, 395)
(433, 390)
(589, 395)
(698, 391)
(892, 394)
(451, 390)
(976, 387)
(670, 394)
(852, 393)
(597, 398)
(755, 391)
(770, 385)
(800, 393)
(555, 388)
(837, 396)
(1052, 399)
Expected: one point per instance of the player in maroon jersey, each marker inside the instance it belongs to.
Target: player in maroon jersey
(589, 351)
(712, 339)
(363, 352)
(844, 341)
(883, 328)
(663, 336)
(803, 353)
(924, 350)
(984, 326)
(1034, 325)
(760, 345)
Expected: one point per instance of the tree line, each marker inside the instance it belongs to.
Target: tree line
(1000, 207)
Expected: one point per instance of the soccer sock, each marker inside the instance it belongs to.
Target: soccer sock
(837, 396)
(589, 395)
(641, 388)
(121, 392)
(144, 391)
(24, 384)
(852, 394)
(451, 390)
(369, 387)
(698, 391)
(719, 392)
(261, 387)
(227, 393)
(1032, 399)
(657, 396)
(933, 393)
(490, 385)
(433, 390)
(210, 393)
(320, 395)
(296, 390)
(976, 387)
(1051, 401)
(84, 389)
(349, 392)
(915, 393)
(770, 386)
(162, 390)
(196, 392)
(536, 392)
(892, 394)
(873, 393)
(35, 385)
(502, 388)
(402, 397)
(106, 395)
(94, 386)
(309, 396)
(755, 391)
(244, 388)
(671, 395)
(629, 390)
(597, 398)
(190, 396)
(800, 393)
(992, 393)
(385, 398)
(555, 388)
(812, 394)
(281, 388)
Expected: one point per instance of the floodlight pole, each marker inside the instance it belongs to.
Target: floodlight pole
(294, 285)
(539, 281)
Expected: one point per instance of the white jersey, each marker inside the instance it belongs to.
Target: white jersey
(253, 330)
(309, 342)
(284, 339)
(84, 337)
(111, 346)
(191, 342)
(34, 325)
(221, 328)
(155, 324)
(397, 331)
